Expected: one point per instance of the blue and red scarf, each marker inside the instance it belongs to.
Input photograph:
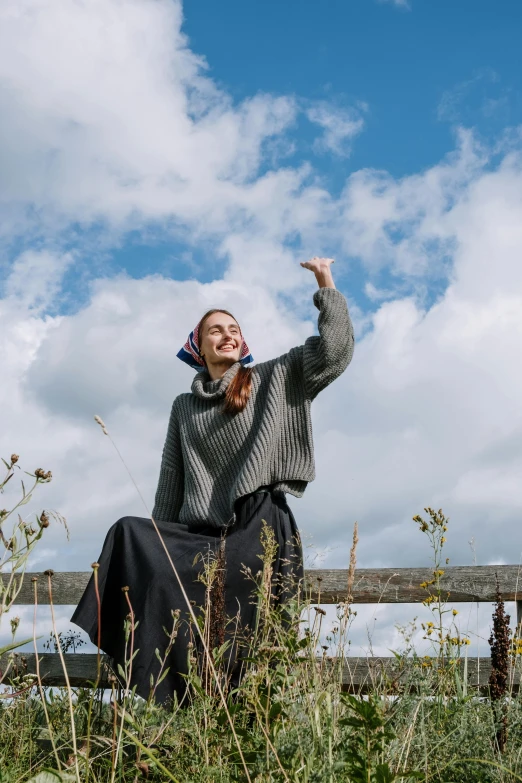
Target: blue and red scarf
(191, 356)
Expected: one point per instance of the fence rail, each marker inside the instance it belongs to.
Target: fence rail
(325, 586)
(358, 674)
(329, 586)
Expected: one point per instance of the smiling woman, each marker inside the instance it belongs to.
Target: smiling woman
(236, 444)
(221, 346)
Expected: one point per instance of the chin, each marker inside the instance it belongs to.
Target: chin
(225, 357)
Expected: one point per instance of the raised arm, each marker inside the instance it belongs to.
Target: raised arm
(169, 494)
(326, 356)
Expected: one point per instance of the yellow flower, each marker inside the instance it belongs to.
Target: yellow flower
(455, 613)
(443, 539)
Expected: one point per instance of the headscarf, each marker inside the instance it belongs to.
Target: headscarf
(191, 356)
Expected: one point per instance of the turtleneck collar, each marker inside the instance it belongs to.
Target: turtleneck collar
(206, 389)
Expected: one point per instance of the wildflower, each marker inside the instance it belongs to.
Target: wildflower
(14, 459)
(443, 539)
(15, 622)
(44, 519)
(423, 584)
(444, 527)
(455, 613)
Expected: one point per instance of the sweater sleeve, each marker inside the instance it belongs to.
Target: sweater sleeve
(327, 355)
(169, 494)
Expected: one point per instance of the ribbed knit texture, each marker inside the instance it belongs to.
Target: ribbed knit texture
(210, 458)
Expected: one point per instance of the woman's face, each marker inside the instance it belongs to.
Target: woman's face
(221, 340)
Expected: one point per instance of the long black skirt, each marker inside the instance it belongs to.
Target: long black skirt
(133, 557)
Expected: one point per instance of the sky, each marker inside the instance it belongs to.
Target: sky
(158, 159)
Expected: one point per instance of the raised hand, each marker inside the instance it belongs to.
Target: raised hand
(321, 269)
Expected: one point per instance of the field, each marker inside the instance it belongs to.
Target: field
(291, 719)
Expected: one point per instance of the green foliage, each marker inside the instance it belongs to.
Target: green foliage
(291, 719)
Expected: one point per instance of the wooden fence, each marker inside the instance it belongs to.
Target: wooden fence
(326, 586)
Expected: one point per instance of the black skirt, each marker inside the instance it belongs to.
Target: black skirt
(133, 557)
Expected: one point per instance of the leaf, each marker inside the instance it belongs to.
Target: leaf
(275, 710)
(52, 776)
(26, 499)
(167, 670)
(383, 774)
(14, 645)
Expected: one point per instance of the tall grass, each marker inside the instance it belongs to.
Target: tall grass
(292, 718)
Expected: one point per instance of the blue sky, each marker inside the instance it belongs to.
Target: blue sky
(402, 63)
(157, 159)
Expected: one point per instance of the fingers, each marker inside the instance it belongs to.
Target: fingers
(315, 261)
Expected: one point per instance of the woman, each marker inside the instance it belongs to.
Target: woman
(235, 444)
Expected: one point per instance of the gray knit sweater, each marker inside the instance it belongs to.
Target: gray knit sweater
(210, 458)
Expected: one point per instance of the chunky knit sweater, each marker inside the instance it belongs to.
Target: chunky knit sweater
(211, 458)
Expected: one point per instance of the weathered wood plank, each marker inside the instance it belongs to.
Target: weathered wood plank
(81, 669)
(328, 586)
(358, 674)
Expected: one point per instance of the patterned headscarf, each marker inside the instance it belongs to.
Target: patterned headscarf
(191, 356)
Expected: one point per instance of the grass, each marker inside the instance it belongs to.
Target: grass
(291, 718)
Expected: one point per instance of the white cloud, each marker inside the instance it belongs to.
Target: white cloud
(340, 126)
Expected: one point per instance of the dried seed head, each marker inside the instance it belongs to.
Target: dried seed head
(125, 589)
(44, 519)
(42, 475)
(34, 579)
(99, 421)
(14, 459)
(15, 622)
(49, 572)
(94, 566)
(319, 610)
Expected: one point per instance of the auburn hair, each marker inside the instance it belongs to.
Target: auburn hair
(239, 388)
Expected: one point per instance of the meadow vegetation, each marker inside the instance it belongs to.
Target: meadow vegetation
(291, 719)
